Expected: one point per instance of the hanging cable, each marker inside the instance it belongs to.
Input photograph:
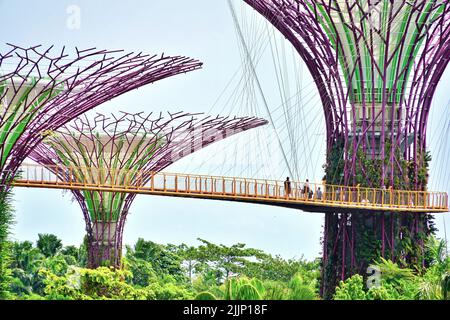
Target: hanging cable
(252, 68)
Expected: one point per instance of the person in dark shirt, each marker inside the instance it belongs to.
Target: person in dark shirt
(287, 187)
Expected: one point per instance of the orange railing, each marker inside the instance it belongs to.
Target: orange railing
(231, 187)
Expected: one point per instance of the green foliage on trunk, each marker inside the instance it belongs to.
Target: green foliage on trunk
(334, 166)
(368, 172)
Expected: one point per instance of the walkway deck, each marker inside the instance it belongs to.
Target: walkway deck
(266, 192)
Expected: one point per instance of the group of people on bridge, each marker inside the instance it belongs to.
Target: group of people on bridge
(363, 196)
(305, 192)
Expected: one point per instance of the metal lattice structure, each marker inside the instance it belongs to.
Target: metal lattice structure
(41, 90)
(127, 150)
(376, 65)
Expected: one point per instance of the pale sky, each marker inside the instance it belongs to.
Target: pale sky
(202, 29)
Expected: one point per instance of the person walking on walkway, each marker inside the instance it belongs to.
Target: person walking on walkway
(319, 194)
(306, 189)
(287, 187)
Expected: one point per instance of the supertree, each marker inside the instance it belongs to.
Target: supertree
(376, 64)
(126, 150)
(41, 90)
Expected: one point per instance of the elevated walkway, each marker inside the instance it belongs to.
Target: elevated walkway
(267, 192)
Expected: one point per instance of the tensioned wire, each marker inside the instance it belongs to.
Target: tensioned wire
(286, 112)
(282, 83)
(245, 88)
(310, 84)
(298, 118)
(279, 87)
(440, 154)
(251, 141)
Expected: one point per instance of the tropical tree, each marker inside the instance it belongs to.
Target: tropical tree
(171, 291)
(24, 256)
(142, 271)
(302, 288)
(278, 269)
(276, 290)
(400, 283)
(190, 258)
(48, 244)
(83, 253)
(243, 288)
(163, 258)
(71, 251)
(226, 261)
(435, 282)
(25, 263)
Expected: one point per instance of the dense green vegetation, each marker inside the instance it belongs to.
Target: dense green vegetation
(398, 283)
(48, 270)
(6, 219)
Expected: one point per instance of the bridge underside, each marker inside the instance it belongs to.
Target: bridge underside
(303, 204)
